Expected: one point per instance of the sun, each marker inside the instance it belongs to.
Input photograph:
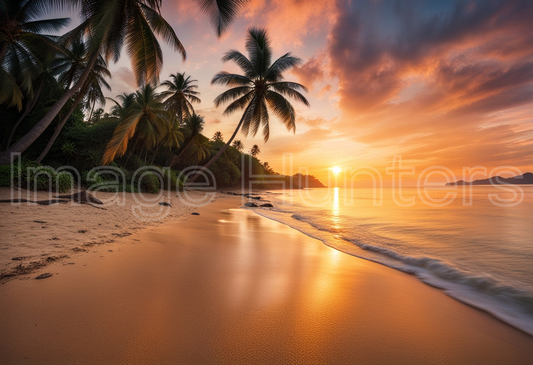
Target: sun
(336, 170)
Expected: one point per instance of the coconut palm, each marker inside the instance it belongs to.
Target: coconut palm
(200, 148)
(218, 137)
(254, 151)
(111, 24)
(193, 126)
(238, 145)
(180, 95)
(146, 118)
(261, 88)
(65, 66)
(31, 102)
(71, 63)
(23, 47)
(91, 92)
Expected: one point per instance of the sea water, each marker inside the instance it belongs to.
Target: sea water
(475, 244)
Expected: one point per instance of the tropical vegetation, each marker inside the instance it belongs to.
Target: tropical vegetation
(50, 87)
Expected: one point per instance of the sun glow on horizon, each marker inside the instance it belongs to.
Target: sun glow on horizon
(336, 170)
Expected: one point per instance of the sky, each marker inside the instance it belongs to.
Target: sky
(433, 82)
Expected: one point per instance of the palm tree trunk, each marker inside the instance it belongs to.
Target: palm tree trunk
(3, 51)
(91, 113)
(22, 144)
(29, 107)
(223, 149)
(59, 127)
(155, 153)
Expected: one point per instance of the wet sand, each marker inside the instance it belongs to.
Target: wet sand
(229, 286)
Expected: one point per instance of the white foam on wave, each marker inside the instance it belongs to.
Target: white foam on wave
(506, 302)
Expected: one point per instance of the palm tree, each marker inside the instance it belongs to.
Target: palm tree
(200, 148)
(180, 95)
(146, 117)
(254, 151)
(239, 146)
(194, 125)
(72, 63)
(110, 24)
(30, 103)
(23, 47)
(218, 137)
(260, 88)
(91, 92)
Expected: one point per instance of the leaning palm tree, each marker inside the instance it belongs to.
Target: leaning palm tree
(91, 92)
(23, 47)
(259, 89)
(180, 94)
(254, 151)
(146, 118)
(238, 145)
(110, 24)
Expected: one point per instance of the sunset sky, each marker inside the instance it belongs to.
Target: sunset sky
(439, 82)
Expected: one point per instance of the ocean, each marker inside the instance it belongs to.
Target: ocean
(477, 246)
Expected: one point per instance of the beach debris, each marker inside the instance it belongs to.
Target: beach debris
(194, 213)
(42, 222)
(44, 276)
(165, 204)
(123, 234)
(252, 205)
(267, 205)
(82, 231)
(18, 258)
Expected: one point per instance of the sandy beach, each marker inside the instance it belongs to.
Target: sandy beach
(229, 286)
(35, 235)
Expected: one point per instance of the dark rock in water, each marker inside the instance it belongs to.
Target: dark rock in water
(165, 204)
(44, 276)
(194, 213)
(267, 205)
(256, 197)
(253, 205)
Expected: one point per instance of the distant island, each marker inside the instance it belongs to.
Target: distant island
(525, 179)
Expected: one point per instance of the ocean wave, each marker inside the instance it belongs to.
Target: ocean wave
(507, 302)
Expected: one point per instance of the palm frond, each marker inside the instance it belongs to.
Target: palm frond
(259, 50)
(282, 64)
(241, 61)
(144, 50)
(162, 28)
(231, 94)
(221, 12)
(227, 79)
(283, 109)
(288, 89)
(118, 144)
(46, 25)
(239, 104)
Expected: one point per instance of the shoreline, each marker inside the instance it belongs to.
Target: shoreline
(246, 289)
(481, 307)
